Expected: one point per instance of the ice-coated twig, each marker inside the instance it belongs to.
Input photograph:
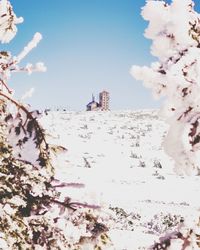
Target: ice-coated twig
(72, 184)
(32, 44)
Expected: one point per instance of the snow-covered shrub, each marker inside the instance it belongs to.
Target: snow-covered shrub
(142, 164)
(158, 175)
(157, 164)
(123, 220)
(32, 215)
(134, 155)
(161, 223)
(175, 33)
(137, 144)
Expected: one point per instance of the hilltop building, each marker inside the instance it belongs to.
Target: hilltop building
(104, 100)
(93, 105)
(103, 103)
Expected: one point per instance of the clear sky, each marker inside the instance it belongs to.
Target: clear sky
(87, 46)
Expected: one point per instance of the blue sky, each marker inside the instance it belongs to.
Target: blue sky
(87, 46)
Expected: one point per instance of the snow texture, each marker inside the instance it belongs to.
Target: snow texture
(119, 157)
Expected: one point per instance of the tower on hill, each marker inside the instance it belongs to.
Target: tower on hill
(104, 100)
(103, 104)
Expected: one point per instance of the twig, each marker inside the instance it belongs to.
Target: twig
(72, 204)
(6, 86)
(74, 185)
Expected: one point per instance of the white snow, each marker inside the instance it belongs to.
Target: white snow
(116, 155)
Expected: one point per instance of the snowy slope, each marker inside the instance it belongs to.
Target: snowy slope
(119, 157)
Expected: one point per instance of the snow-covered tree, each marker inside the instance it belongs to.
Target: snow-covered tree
(176, 76)
(175, 33)
(32, 214)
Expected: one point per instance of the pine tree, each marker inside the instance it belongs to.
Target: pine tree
(32, 215)
(176, 42)
(175, 33)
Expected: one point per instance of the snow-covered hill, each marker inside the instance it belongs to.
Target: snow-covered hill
(119, 157)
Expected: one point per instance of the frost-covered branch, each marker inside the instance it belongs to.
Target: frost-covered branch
(176, 76)
(8, 21)
(32, 44)
(32, 214)
(175, 33)
(72, 184)
(74, 205)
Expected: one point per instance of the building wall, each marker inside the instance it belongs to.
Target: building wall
(93, 106)
(104, 100)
